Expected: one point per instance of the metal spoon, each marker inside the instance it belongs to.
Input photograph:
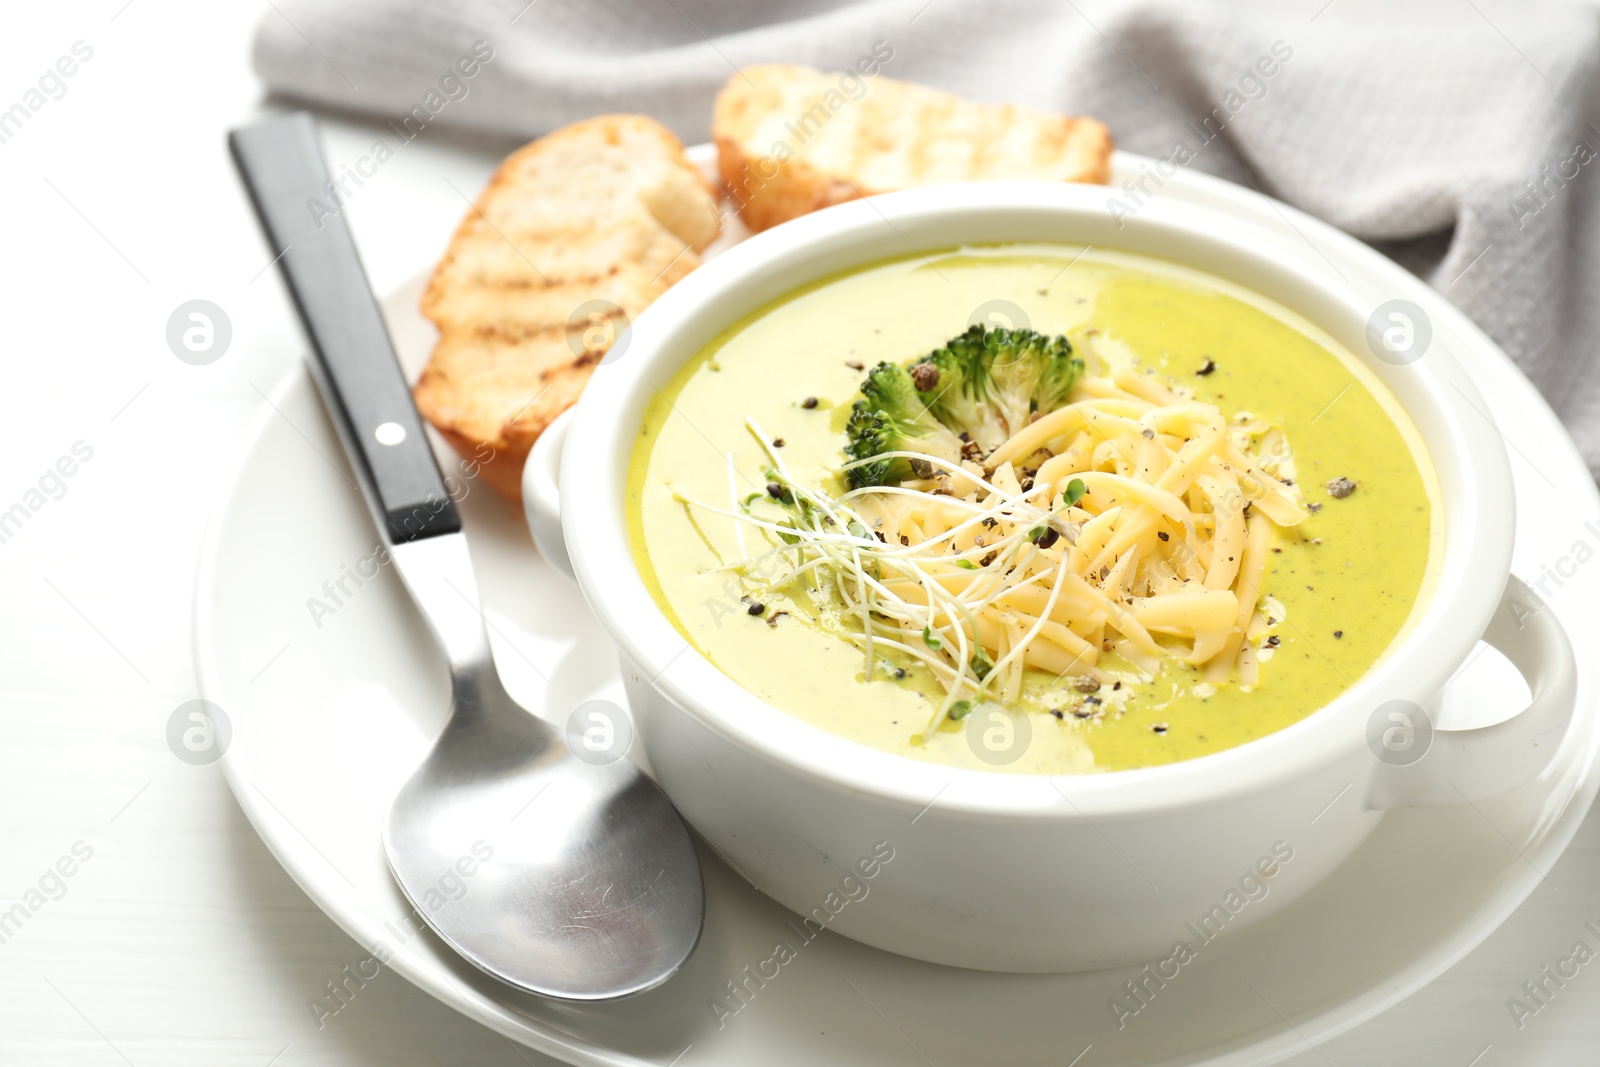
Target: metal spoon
(591, 888)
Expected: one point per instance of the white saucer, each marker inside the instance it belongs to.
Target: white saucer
(330, 711)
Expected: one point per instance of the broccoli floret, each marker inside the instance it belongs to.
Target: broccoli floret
(891, 417)
(991, 380)
(959, 401)
(1029, 372)
(957, 390)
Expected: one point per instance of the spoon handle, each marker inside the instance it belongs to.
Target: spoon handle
(359, 376)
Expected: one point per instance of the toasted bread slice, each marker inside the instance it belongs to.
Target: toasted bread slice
(575, 235)
(791, 139)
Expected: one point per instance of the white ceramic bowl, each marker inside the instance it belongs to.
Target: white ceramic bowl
(1028, 873)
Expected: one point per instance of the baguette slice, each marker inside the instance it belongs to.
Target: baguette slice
(575, 235)
(792, 139)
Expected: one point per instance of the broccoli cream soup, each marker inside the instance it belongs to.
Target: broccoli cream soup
(1034, 510)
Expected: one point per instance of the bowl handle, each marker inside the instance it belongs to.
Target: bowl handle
(541, 496)
(1466, 766)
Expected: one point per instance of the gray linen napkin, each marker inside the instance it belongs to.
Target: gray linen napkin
(1457, 135)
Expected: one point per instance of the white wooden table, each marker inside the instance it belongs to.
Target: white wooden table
(179, 940)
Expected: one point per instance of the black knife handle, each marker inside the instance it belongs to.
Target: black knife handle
(363, 386)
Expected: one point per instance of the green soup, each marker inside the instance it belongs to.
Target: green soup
(1348, 578)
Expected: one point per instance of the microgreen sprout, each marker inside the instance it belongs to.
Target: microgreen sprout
(897, 592)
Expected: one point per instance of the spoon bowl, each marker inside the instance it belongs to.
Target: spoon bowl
(516, 851)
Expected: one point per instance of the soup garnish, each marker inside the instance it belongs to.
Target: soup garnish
(1005, 513)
